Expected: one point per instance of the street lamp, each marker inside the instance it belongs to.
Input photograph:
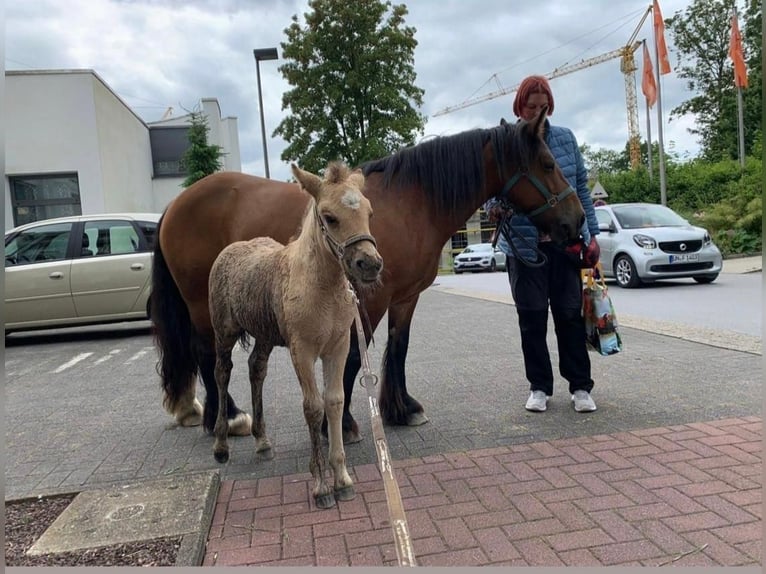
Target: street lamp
(263, 54)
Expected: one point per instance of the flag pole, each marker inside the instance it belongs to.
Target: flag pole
(663, 189)
(741, 127)
(649, 141)
(740, 119)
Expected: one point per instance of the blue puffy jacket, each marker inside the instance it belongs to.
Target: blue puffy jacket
(563, 146)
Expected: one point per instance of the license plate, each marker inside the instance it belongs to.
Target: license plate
(684, 258)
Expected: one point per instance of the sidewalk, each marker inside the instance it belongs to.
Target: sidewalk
(667, 470)
(686, 495)
(750, 264)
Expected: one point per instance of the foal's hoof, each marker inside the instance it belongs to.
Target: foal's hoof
(324, 501)
(416, 419)
(221, 455)
(241, 425)
(345, 493)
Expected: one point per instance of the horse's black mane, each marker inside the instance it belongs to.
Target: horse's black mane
(450, 169)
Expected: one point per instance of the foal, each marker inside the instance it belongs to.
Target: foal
(298, 296)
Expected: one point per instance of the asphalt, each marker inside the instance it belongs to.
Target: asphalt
(666, 471)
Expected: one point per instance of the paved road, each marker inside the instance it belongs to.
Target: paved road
(732, 303)
(85, 410)
(663, 469)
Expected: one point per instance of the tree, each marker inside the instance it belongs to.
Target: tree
(701, 37)
(352, 74)
(200, 159)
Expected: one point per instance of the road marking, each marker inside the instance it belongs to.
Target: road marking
(73, 362)
(111, 354)
(139, 354)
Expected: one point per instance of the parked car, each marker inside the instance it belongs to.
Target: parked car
(79, 270)
(644, 242)
(479, 257)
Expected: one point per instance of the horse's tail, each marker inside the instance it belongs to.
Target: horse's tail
(173, 333)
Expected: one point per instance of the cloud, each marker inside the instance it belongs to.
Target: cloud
(160, 54)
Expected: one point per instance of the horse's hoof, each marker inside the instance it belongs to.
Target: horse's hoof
(351, 436)
(324, 501)
(416, 419)
(192, 418)
(241, 425)
(221, 455)
(345, 493)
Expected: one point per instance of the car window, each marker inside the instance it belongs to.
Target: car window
(603, 217)
(110, 238)
(478, 248)
(39, 244)
(149, 229)
(637, 216)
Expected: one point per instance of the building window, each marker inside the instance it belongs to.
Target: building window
(36, 197)
(169, 144)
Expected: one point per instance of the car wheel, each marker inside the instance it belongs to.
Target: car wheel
(457, 272)
(492, 266)
(705, 278)
(625, 272)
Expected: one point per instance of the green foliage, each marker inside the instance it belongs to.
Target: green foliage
(718, 196)
(701, 37)
(200, 159)
(352, 74)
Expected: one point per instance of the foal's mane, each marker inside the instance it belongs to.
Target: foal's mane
(450, 169)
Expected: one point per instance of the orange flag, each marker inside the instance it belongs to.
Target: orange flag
(648, 85)
(659, 37)
(735, 53)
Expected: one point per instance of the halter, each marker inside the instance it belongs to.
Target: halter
(337, 248)
(550, 199)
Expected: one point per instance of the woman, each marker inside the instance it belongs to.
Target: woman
(557, 282)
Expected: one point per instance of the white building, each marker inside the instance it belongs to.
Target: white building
(73, 146)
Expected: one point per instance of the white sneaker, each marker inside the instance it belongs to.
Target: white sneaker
(537, 401)
(583, 403)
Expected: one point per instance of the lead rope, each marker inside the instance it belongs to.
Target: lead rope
(402, 540)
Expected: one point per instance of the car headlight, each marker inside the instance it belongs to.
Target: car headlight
(706, 239)
(644, 241)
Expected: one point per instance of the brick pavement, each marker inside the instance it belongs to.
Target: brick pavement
(681, 495)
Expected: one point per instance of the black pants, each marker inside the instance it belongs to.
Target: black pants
(556, 284)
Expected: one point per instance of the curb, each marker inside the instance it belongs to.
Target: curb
(192, 549)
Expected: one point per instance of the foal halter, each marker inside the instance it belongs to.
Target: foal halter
(336, 247)
(550, 199)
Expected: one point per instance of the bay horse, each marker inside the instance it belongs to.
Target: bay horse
(421, 196)
(298, 296)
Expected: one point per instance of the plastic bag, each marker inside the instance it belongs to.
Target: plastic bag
(601, 329)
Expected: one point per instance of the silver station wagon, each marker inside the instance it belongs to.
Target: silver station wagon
(644, 242)
(79, 270)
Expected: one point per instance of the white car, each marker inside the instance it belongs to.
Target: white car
(644, 242)
(79, 270)
(479, 257)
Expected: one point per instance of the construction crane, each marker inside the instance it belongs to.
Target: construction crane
(627, 67)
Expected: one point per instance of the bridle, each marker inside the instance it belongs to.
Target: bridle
(551, 201)
(336, 247)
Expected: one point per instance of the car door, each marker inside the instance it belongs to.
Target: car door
(606, 239)
(108, 282)
(38, 276)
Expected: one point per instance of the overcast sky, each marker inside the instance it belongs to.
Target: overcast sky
(157, 54)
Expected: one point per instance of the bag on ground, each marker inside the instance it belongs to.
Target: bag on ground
(601, 329)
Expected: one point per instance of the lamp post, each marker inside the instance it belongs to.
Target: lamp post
(263, 54)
